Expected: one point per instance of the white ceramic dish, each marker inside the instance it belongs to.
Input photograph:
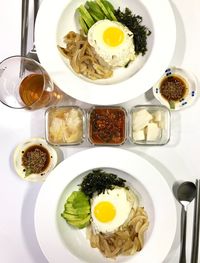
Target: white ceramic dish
(191, 83)
(56, 19)
(21, 149)
(62, 243)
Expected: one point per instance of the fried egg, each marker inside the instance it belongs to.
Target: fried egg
(113, 42)
(111, 209)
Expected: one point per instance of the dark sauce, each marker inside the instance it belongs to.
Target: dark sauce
(35, 159)
(107, 126)
(173, 88)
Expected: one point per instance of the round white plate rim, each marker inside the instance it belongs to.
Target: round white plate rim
(55, 186)
(158, 60)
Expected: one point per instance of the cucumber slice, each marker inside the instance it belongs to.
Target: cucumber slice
(96, 16)
(103, 8)
(86, 16)
(109, 5)
(110, 9)
(83, 25)
(93, 6)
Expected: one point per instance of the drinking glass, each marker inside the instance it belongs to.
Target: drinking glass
(25, 84)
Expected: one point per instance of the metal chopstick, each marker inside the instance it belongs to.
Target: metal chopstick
(196, 223)
(24, 32)
(24, 27)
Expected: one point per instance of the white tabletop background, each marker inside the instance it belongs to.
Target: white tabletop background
(178, 160)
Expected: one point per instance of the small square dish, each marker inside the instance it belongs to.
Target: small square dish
(65, 125)
(107, 125)
(149, 125)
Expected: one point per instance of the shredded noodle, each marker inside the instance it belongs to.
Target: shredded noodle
(127, 240)
(83, 58)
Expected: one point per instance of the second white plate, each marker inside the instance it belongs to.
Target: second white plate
(62, 243)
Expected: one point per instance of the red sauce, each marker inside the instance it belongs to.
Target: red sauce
(107, 126)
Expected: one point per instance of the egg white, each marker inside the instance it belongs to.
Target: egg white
(122, 199)
(117, 56)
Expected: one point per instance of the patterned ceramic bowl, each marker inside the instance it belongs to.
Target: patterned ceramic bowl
(176, 89)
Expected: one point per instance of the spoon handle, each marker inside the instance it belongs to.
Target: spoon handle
(183, 233)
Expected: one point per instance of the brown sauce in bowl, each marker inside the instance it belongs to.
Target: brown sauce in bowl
(173, 88)
(35, 159)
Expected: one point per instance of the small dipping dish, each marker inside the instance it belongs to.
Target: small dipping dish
(107, 125)
(65, 125)
(176, 89)
(149, 125)
(34, 159)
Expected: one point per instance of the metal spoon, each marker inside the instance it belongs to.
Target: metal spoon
(33, 53)
(185, 194)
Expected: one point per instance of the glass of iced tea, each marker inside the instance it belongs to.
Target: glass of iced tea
(25, 84)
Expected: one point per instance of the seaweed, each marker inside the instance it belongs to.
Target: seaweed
(140, 32)
(97, 181)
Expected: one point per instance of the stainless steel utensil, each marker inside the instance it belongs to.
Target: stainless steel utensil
(24, 27)
(33, 53)
(196, 223)
(185, 194)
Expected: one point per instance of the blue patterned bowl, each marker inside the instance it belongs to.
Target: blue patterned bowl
(191, 86)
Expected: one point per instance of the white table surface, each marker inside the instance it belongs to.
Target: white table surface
(177, 161)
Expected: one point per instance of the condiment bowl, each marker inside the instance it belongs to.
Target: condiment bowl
(34, 159)
(176, 89)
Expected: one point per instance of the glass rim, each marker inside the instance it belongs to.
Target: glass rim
(42, 72)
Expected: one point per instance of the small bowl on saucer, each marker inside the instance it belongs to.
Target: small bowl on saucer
(34, 159)
(176, 89)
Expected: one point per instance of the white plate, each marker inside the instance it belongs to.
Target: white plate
(62, 243)
(56, 19)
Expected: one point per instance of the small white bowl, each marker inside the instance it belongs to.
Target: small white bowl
(20, 168)
(190, 81)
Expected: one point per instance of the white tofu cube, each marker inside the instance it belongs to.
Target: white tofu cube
(139, 135)
(157, 116)
(153, 132)
(141, 119)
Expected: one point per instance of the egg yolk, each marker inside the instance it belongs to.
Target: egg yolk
(104, 211)
(113, 36)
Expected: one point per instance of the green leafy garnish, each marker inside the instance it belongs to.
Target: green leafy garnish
(172, 104)
(140, 32)
(28, 172)
(98, 181)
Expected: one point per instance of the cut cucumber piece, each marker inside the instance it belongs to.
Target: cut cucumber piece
(96, 16)
(86, 16)
(108, 5)
(103, 8)
(110, 9)
(83, 25)
(93, 6)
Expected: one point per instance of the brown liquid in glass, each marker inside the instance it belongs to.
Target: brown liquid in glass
(32, 93)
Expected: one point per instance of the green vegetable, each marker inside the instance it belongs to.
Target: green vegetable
(140, 32)
(94, 11)
(80, 223)
(103, 8)
(83, 25)
(86, 16)
(98, 181)
(77, 210)
(172, 104)
(92, 6)
(110, 9)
